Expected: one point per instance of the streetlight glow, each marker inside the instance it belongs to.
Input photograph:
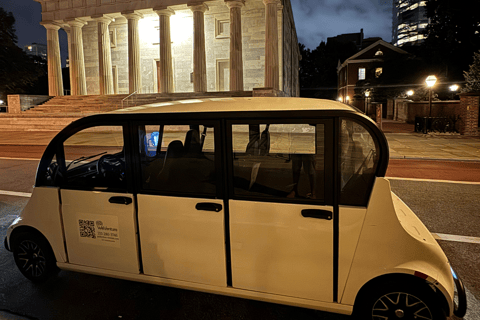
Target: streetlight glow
(348, 98)
(410, 93)
(367, 93)
(454, 87)
(431, 80)
(340, 99)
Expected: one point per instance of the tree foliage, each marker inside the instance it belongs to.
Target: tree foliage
(472, 76)
(318, 67)
(19, 73)
(453, 35)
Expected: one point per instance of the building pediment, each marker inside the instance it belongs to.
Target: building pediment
(374, 52)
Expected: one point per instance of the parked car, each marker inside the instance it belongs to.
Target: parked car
(282, 200)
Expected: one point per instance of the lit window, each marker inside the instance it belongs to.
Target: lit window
(379, 53)
(361, 73)
(378, 72)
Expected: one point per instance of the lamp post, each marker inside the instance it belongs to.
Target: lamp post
(430, 83)
(367, 93)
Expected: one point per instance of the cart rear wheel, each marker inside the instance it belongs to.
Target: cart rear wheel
(400, 301)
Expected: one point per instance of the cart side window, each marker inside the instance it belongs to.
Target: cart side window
(177, 158)
(95, 158)
(358, 162)
(279, 161)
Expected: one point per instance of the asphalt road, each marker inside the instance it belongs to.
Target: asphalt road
(447, 208)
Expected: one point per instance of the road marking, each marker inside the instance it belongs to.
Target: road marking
(432, 180)
(15, 193)
(451, 237)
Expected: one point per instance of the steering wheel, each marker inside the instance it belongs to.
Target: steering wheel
(52, 173)
(111, 167)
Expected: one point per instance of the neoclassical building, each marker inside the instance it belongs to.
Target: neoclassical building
(172, 46)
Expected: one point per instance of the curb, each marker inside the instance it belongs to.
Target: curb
(434, 159)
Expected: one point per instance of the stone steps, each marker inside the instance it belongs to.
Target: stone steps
(56, 113)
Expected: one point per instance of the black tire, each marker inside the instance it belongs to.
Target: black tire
(34, 257)
(399, 301)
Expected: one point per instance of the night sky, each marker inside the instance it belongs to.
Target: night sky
(315, 20)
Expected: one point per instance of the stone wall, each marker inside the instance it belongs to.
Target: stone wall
(22, 102)
(406, 111)
(291, 53)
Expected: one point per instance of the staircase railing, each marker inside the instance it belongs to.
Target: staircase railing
(126, 100)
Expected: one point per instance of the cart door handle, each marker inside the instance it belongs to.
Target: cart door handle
(207, 206)
(317, 213)
(120, 200)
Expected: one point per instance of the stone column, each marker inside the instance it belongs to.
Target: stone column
(78, 83)
(105, 75)
(165, 72)
(199, 58)
(236, 60)
(271, 44)
(55, 82)
(69, 48)
(134, 67)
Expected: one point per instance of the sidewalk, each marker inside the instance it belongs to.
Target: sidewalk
(403, 141)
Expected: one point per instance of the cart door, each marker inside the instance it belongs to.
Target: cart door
(98, 211)
(281, 209)
(180, 211)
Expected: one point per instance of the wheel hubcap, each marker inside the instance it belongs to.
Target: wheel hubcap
(31, 258)
(399, 313)
(400, 305)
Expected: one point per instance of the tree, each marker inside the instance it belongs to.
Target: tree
(318, 68)
(453, 34)
(18, 72)
(472, 76)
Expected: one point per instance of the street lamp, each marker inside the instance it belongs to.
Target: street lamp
(430, 83)
(340, 98)
(410, 93)
(453, 89)
(367, 94)
(347, 98)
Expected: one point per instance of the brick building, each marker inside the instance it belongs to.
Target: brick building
(365, 64)
(172, 46)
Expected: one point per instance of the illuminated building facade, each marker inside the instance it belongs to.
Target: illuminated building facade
(173, 46)
(36, 49)
(409, 22)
